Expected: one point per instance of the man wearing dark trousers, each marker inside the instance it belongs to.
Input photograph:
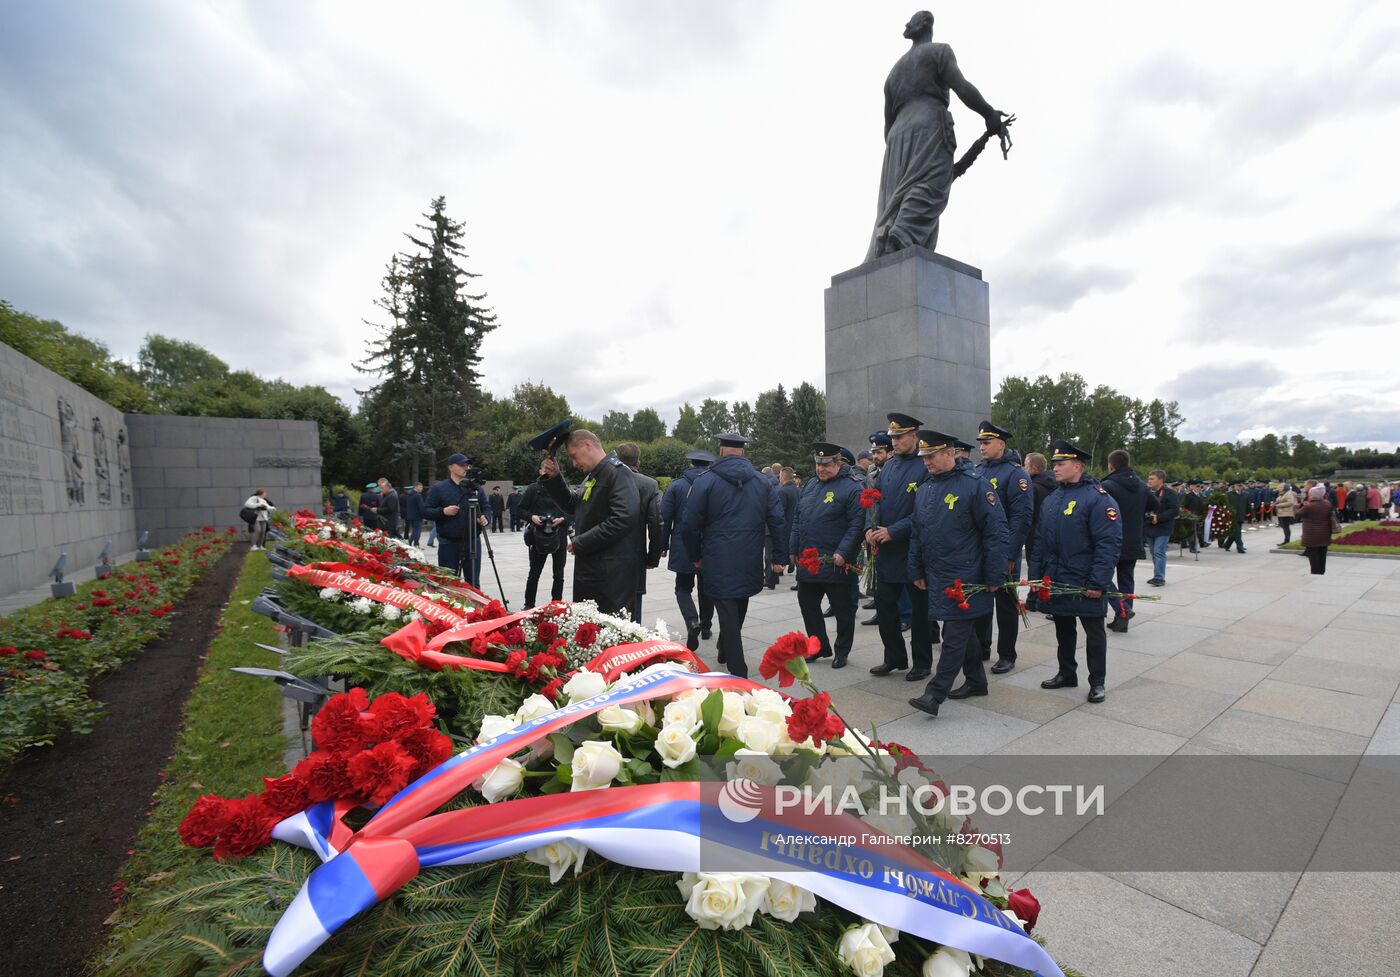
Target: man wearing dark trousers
(1192, 503)
(1012, 483)
(650, 543)
(498, 509)
(731, 515)
(1134, 500)
(546, 534)
(959, 537)
(413, 513)
(897, 482)
(447, 505)
(1238, 500)
(1078, 538)
(697, 622)
(829, 520)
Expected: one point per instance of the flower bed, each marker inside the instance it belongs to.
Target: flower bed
(566, 830)
(50, 652)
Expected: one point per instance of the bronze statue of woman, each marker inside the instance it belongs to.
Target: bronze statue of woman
(919, 141)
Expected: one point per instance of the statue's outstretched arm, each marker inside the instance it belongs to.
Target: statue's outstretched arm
(969, 94)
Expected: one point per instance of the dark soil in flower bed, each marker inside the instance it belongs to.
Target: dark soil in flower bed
(69, 813)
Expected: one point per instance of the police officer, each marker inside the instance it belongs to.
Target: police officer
(731, 514)
(961, 449)
(1193, 503)
(1013, 487)
(447, 505)
(1078, 539)
(650, 542)
(897, 483)
(959, 536)
(607, 513)
(697, 623)
(831, 521)
(1238, 500)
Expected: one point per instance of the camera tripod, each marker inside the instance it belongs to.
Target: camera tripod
(476, 532)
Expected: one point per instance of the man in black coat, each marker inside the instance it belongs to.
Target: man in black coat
(413, 513)
(1193, 503)
(388, 508)
(498, 510)
(607, 515)
(649, 540)
(1158, 530)
(448, 505)
(1238, 500)
(1134, 500)
(546, 532)
(369, 502)
(513, 508)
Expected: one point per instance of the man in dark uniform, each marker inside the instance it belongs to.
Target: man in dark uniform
(1192, 502)
(880, 449)
(447, 505)
(1042, 484)
(413, 513)
(546, 535)
(1238, 500)
(697, 623)
(1078, 538)
(897, 482)
(388, 507)
(732, 513)
(513, 507)
(830, 521)
(1013, 487)
(650, 542)
(369, 502)
(607, 515)
(959, 535)
(961, 449)
(788, 494)
(1134, 500)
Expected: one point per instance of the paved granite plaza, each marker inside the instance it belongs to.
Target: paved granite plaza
(1246, 655)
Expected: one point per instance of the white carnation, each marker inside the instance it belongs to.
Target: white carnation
(331, 593)
(361, 605)
(390, 612)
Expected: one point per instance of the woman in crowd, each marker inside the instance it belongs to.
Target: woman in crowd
(1284, 507)
(257, 529)
(1315, 516)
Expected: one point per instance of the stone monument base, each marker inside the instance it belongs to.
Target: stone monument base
(908, 332)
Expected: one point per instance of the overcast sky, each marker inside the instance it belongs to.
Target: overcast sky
(1201, 203)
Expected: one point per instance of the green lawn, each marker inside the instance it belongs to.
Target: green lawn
(232, 738)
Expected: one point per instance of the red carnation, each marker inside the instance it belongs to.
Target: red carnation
(552, 689)
(249, 828)
(964, 606)
(325, 776)
(515, 661)
(207, 817)
(812, 718)
(428, 748)
(785, 653)
(338, 725)
(868, 498)
(382, 772)
(397, 715)
(285, 796)
(587, 634)
(546, 631)
(490, 612)
(1024, 905)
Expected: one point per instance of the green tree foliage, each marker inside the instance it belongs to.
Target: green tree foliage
(773, 429)
(688, 427)
(809, 417)
(743, 418)
(647, 425)
(715, 419)
(75, 358)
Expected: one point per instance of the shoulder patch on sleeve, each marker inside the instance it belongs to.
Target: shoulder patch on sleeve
(1024, 485)
(1112, 513)
(991, 498)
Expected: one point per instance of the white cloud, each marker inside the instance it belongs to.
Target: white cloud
(656, 195)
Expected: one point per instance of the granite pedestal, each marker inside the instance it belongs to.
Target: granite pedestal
(908, 332)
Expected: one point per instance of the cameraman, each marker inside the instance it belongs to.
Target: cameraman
(447, 505)
(546, 532)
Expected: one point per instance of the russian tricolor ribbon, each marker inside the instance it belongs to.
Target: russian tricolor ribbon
(655, 827)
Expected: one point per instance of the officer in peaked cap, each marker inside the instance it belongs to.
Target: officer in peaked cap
(898, 481)
(1194, 502)
(697, 622)
(1013, 487)
(731, 514)
(552, 438)
(959, 539)
(961, 449)
(881, 447)
(830, 521)
(1078, 540)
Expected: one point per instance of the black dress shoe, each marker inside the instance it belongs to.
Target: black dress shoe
(1096, 693)
(873, 619)
(1119, 624)
(924, 704)
(868, 606)
(705, 633)
(916, 675)
(820, 654)
(839, 663)
(692, 636)
(1241, 551)
(1060, 682)
(966, 691)
(1002, 666)
(885, 669)
(793, 587)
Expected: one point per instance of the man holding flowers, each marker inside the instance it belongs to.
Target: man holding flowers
(826, 532)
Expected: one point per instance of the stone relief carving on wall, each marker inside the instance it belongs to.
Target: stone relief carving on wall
(72, 461)
(100, 465)
(124, 466)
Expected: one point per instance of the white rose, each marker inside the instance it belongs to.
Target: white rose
(619, 718)
(533, 708)
(503, 780)
(493, 726)
(758, 734)
(560, 856)
(768, 704)
(948, 962)
(675, 745)
(785, 901)
(681, 712)
(865, 950)
(723, 900)
(584, 685)
(390, 612)
(733, 714)
(753, 765)
(1014, 918)
(594, 765)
